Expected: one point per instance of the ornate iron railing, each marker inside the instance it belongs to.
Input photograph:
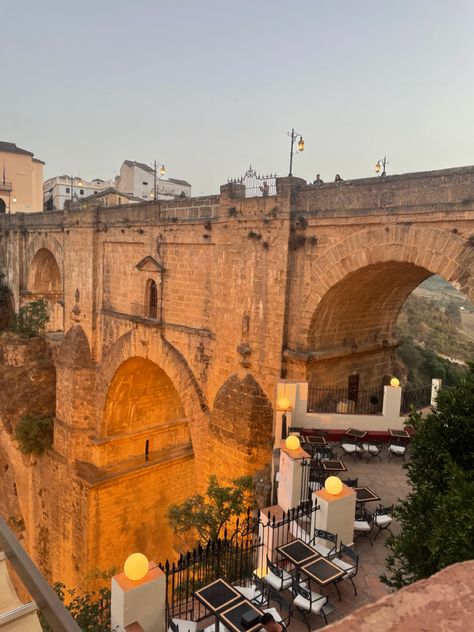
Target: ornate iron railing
(328, 399)
(255, 184)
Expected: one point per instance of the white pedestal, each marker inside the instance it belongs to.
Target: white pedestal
(336, 513)
(142, 601)
(289, 485)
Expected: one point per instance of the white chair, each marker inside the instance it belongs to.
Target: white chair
(181, 625)
(350, 568)
(352, 448)
(372, 449)
(254, 592)
(396, 449)
(308, 602)
(327, 536)
(277, 578)
(383, 519)
(363, 525)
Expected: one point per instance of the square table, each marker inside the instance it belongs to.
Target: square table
(333, 466)
(359, 434)
(322, 571)
(399, 433)
(217, 595)
(232, 616)
(365, 495)
(298, 552)
(314, 440)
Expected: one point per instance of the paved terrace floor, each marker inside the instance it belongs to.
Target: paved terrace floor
(388, 480)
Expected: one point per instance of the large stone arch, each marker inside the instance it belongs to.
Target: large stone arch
(241, 427)
(49, 242)
(419, 251)
(145, 343)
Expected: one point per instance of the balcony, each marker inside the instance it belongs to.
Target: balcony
(6, 187)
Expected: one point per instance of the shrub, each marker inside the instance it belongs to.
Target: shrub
(31, 319)
(34, 433)
(91, 611)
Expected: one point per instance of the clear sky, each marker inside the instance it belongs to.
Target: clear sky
(209, 86)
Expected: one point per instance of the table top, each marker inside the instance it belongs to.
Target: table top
(232, 616)
(399, 433)
(322, 570)
(217, 595)
(297, 552)
(333, 466)
(314, 440)
(365, 495)
(352, 432)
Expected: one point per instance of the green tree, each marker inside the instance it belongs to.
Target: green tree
(207, 516)
(34, 433)
(32, 318)
(437, 517)
(91, 611)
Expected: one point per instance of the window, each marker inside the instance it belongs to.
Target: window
(145, 183)
(68, 190)
(120, 200)
(95, 192)
(81, 191)
(152, 299)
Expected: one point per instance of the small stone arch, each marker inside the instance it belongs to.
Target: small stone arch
(3, 206)
(151, 299)
(44, 276)
(423, 251)
(241, 427)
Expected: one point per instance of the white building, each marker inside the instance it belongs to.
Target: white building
(61, 188)
(138, 179)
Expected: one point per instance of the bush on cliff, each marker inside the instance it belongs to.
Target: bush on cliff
(32, 318)
(34, 433)
(437, 517)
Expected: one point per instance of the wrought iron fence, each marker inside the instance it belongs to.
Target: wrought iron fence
(255, 184)
(329, 399)
(418, 398)
(234, 558)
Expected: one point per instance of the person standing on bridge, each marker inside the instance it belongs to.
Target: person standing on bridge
(318, 179)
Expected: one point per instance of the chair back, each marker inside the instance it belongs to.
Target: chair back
(384, 511)
(350, 553)
(174, 627)
(274, 569)
(325, 535)
(298, 589)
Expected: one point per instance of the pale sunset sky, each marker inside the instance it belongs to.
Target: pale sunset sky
(209, 87)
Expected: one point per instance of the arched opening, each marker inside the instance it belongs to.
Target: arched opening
(152, 299)
(3, 206)
(353, 339)
(140, 396)
(148, 452)
(44, 281)
(44, 275)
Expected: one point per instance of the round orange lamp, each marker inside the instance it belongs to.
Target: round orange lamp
(292, 442)
(395, 382)
(136, 566)
(333, 485)
(284, 403)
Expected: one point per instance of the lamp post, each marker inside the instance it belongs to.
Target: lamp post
(293, 136)
(162, 173)
(381, 165)
(80, 183)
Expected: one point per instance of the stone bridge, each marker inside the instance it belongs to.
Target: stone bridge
(171, 323)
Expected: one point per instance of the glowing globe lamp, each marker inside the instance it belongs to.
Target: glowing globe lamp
(395, 382)
(292, 442)
(333, 485)
(136, 566)
(284, 403)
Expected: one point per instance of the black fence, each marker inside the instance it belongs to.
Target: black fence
(329, 399)
(417, 398)
(235, 558)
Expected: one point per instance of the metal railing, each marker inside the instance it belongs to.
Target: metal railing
(418, 398)
(234, 558)
(50, 606)
(329, 399)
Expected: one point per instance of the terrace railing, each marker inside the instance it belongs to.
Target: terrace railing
(418, 398)
(329, 399)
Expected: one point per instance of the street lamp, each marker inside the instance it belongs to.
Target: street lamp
(162, 173)
(381, 165)
(293, 135)
(80, 184)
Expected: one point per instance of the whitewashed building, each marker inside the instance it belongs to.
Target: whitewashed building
(138, 179)
(61, 188)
